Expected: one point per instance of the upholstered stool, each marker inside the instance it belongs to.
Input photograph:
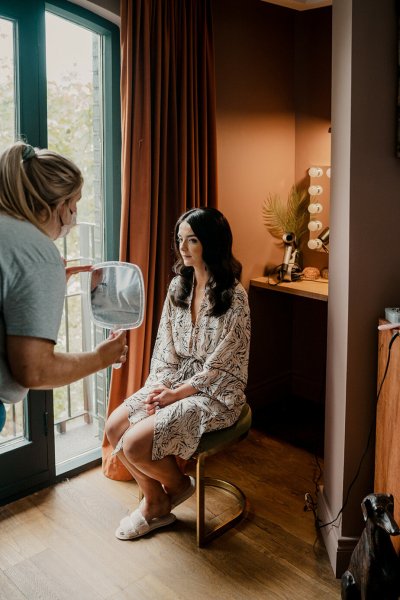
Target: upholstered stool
(210, 444)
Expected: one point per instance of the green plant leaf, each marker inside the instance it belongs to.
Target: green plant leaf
(292, 217)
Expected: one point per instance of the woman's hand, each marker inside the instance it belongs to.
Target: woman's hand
(69, 271)
(159, 397)
(114, 349)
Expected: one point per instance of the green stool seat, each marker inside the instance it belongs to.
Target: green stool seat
(210, 444)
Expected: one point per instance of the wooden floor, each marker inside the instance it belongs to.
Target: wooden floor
(59, 543)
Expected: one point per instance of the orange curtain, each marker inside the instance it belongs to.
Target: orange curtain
(168, 157)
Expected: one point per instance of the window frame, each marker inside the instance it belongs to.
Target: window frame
(112, 111)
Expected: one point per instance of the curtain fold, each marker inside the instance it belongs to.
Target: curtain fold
(168, 157)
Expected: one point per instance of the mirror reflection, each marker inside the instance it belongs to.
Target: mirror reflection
(116, 293)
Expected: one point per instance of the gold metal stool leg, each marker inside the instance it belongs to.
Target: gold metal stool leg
(202, 482)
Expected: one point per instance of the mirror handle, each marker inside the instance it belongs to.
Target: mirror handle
(116, 365)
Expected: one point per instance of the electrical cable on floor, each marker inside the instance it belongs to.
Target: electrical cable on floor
(310, 503)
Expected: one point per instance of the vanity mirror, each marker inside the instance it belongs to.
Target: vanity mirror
(319, 191)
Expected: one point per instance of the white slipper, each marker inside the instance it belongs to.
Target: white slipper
(179, 498)
(135, 525)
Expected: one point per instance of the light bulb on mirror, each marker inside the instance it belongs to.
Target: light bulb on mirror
(314, 208)
(315, 190)
(315, 244)
(315, 172)
(328, 172)
(315, 225)
(321, 242)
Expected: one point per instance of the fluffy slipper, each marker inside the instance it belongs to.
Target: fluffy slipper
(136, 526)
(179, 498)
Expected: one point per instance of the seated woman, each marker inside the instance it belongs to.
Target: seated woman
(198, 371)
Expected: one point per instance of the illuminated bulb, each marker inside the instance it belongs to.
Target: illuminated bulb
(315, 172)
(314, 244)
(315, 225)
(315, 190)
(328, 172)
(314, 208)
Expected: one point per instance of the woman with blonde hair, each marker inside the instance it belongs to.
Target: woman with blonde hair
(39, 194)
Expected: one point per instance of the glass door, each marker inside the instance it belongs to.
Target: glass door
(25, 450)
(59, 88)
(75, 90)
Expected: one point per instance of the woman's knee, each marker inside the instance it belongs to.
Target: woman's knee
(116, 425)
(138, 443)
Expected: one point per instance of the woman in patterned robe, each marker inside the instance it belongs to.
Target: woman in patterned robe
(198, 371)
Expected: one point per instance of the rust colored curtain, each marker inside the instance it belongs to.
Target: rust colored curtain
(168, 157)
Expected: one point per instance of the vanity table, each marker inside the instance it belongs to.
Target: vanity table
(305, 288)
(288, 343)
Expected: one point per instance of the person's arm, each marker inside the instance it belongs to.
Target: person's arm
(35, 365)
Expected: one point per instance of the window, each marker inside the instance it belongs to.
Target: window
(75, 125)
(7, 83)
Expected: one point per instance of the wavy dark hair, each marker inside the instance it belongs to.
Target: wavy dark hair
(212, 229)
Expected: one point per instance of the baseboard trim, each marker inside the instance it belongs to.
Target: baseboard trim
(339, 548)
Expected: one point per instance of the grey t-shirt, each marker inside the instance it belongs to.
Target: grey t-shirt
(32, 290)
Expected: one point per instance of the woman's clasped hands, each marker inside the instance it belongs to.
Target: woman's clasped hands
(159, 397)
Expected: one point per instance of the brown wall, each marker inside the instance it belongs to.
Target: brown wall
(313, 57)
(254, 47)
(273, 114)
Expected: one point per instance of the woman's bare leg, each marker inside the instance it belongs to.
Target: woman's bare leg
(137, 449)
(157, 501)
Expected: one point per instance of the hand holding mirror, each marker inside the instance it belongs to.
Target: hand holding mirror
(116, 296)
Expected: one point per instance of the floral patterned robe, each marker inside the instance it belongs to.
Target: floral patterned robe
(212, 355)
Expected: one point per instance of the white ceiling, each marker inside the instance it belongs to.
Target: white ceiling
(301, 4)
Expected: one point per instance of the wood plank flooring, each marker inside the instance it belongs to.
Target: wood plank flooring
(59, 543)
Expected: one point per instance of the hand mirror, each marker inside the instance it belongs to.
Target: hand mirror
(116, 296)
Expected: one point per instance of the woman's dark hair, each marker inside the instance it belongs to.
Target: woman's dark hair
(212, 229)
